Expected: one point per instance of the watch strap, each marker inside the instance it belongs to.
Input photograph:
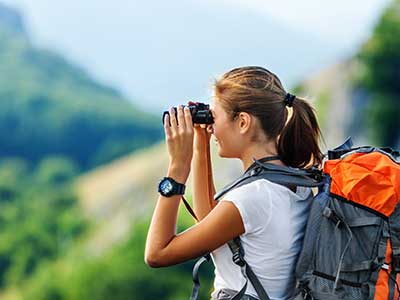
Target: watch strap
(178, 188)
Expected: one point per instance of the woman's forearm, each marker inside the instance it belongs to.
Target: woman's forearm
(162, 229)
(211, 186)
(203, 185)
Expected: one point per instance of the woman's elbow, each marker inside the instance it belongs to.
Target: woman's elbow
(154, 260)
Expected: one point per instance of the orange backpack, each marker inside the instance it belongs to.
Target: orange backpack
(351, 248)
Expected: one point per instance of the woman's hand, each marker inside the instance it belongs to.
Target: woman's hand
(202, 135)
(179, 137)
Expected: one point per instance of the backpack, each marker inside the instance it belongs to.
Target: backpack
(351, 247)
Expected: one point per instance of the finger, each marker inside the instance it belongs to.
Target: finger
(166, 114)
(188, 118)
(167, 126)
(173, 121)
(197, 127)
(181, 118)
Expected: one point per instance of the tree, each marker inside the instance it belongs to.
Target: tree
(380, 76)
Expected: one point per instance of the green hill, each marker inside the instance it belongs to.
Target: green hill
(55, 123)
(48, 106)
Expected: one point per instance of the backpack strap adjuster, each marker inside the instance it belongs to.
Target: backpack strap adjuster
(238, 259)
(385, 266)
(237, 252)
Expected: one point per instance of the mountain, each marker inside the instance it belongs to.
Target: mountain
(51, 107)
(11, 19)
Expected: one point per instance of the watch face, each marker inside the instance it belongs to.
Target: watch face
(166, 186)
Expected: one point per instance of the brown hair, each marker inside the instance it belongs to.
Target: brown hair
(259, 92)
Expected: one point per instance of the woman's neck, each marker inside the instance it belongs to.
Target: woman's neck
(258, 151)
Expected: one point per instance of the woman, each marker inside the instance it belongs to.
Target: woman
(250, 110)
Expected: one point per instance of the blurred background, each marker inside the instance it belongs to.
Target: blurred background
(82, 88)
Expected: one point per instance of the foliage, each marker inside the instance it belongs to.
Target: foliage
(121, 274)
(39, 218)
(380, 61)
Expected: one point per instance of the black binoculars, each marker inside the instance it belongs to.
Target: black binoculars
(200, 112)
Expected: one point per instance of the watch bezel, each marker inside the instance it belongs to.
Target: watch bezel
(175, 190)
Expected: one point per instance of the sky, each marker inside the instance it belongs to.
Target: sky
(341, 20)
(106, 38)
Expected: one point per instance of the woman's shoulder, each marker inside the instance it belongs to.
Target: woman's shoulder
(265, 189)
(257, 189)
(259, 184)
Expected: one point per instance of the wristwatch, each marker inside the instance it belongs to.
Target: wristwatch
(169, 187)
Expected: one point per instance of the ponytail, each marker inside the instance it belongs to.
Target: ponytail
(298, 142)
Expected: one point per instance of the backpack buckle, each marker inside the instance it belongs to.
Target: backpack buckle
(305, 291)
(238, 259)
(332, 215)
(315, 173)
(257, 170)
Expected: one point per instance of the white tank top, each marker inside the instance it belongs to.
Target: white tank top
(274, 220)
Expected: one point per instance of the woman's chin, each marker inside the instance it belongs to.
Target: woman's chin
(220, 151)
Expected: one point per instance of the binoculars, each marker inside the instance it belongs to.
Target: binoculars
(200, 112)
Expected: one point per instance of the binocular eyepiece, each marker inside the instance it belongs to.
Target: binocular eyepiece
(200, 112)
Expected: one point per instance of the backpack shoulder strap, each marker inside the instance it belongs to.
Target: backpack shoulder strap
(238, 258)
(277, 174)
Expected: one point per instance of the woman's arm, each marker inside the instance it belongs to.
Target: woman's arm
(203, 184)
(163, 246)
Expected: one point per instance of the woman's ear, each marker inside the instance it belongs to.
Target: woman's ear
(244, 122)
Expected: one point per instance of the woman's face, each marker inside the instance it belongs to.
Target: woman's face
(225, 131)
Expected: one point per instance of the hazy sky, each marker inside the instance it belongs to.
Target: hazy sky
(345, 20)
(316, 16)
(90, 32)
